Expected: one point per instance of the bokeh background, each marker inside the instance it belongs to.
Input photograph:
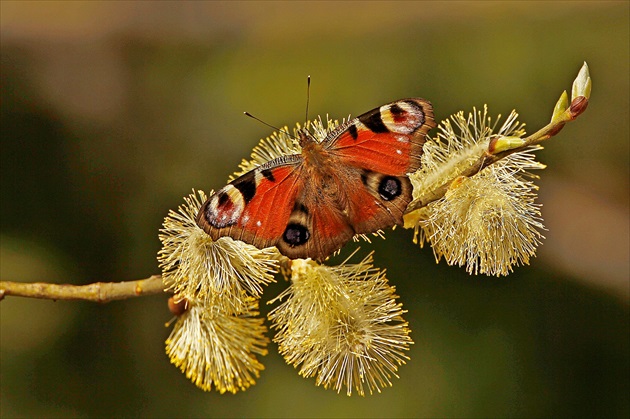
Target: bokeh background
(111, 112)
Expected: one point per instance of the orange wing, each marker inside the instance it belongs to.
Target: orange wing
(386, 140)
(255, 207)
(376, 151)
(277, 205)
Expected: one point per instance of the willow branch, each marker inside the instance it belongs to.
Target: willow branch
(501, 147)
(99, 292)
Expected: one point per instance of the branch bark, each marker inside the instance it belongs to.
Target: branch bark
(99, 292)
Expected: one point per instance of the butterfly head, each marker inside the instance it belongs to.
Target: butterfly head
(305, 138)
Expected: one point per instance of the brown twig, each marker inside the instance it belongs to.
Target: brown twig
(99, 292)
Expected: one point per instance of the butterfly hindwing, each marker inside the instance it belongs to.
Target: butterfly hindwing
(317, 227)
(378, 201)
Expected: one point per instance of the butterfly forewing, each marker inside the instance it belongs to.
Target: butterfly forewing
(254, 207)
(387, 139)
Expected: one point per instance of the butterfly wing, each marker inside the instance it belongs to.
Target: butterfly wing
(277, 205)
(254, 207)
(376, 201)
(317, 225)
(376, 151)
(387, 139)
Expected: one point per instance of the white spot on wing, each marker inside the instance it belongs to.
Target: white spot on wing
(257, 177)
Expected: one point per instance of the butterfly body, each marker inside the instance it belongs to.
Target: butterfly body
(310, 204)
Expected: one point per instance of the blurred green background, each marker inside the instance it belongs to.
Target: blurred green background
(113, 111)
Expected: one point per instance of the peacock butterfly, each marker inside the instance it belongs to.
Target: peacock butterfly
(310, 204)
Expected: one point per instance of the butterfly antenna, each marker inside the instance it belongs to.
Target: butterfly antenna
(269, 125)
(308, 97)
